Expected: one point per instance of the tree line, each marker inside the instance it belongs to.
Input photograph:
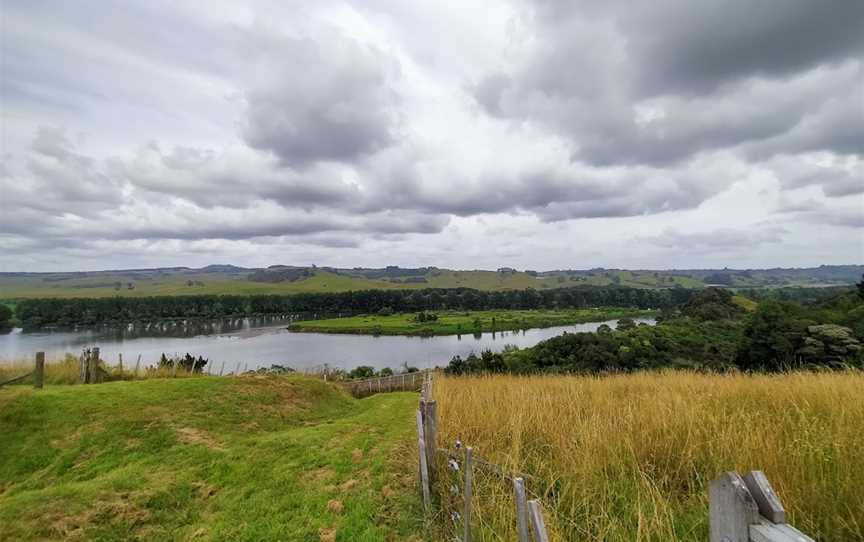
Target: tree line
(41, 313)
(709, 332)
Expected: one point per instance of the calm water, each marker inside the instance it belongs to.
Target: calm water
(264, 342)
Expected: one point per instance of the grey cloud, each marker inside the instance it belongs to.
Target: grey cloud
(658, 83)
(721, 239)
(327, 99)
(835, 179)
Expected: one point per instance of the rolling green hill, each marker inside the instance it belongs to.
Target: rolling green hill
(225, 279)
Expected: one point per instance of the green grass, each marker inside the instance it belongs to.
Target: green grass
(460, 322)
(249, 458)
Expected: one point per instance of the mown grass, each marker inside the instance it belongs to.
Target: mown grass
(624, 458)
(246, 458)
(460, 322)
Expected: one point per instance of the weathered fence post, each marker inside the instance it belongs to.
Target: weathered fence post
(137, 365)
(174, 368)
(748, 510)
(538, 526)
(424, 468)
(469, 491)
(221, 369)
(731, 509)
(429, 410)
(120, 356)
(39, 372)
(237, 369)
(521, 509)
(84, 366)
(94, 365)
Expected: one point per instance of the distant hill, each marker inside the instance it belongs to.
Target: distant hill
(286, 279)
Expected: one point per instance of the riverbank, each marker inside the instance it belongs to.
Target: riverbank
(463, 322)
(210, 458)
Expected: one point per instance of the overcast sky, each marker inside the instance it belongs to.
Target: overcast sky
(466, 134)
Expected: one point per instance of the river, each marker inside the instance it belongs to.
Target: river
(259, 343)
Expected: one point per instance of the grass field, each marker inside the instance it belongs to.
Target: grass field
(629, 458)
(456, 322)
(210, 458)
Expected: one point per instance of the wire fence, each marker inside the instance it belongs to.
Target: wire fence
(472, 499)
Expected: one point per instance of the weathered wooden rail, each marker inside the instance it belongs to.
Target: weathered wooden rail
(748, 510)
(400, 382)
(38, 373)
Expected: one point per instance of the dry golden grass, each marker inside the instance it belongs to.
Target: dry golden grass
(624, 458)
(65, 371)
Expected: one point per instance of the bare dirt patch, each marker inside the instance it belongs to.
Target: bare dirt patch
(190, 435)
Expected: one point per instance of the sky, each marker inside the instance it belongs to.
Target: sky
(542, 134)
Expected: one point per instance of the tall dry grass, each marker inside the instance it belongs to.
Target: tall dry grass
(624, 458)
(66, 371)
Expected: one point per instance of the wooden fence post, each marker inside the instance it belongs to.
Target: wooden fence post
(429, 409)
(237, 369)
(39, 373)
(521, 509)
(137, 365)
(84, 366)
(424, 471)
(221, 369)
(120, 356)
(731, 509)
(469, 492)
(94, 365)
(538, 526)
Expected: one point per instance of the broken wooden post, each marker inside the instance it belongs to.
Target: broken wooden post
(39, 373)
(424, 470)
(521, 509)
(538, 526)
(469, 492)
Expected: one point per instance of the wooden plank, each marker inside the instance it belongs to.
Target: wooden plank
(469, 493)
(39, 372)
(538, 526)
(16, 379)
(424, 470)
(765, 531)
(521, 509)
(766, 498)
(731, 509)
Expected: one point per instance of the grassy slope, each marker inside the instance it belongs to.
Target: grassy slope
(454, 322)
(251, 458)
(631, 456)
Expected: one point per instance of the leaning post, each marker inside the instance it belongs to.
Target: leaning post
(537, 523)
(39, 373)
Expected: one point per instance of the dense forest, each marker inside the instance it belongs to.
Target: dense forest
(710, 331)
(42, 313)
